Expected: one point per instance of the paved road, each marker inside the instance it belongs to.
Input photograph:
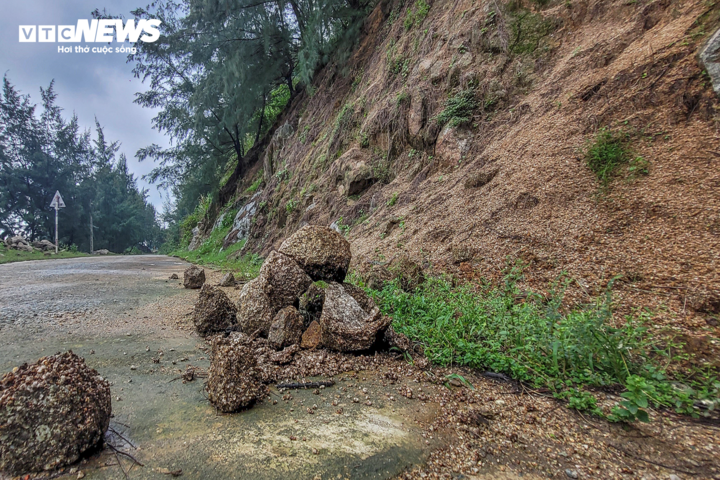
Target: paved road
(31, 293)
(122, 314)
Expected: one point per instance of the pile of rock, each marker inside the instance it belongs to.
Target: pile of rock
(51, 412)
(18, 242)
(297, 301)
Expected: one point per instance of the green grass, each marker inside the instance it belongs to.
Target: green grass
(535, 339)
(10, 256)
(459, 108)
(212, 254)
(605, 153)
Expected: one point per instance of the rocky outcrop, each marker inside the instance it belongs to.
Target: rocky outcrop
(234, 380)
(214, 312)
(286, 329)
(194, 277)
(242, 221)
(321, 252)
(19, 243)
(347, 324)
(51, 412)
(710, 60)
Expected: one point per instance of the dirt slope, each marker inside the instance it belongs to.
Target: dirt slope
(366, 151)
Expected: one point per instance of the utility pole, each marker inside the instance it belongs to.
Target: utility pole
(57, 203)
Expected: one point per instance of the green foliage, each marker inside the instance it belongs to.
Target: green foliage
(536, 340)
(40, 153)
(606, 153)
(290, 205)
(10, 256)
(212, 253)
(344, 229)
(321, 284)
(638, 167)
(527, 30)
(256, 184)
(364, 140)
(637, 397)
(416, 15)
(459, 108)
(393, 200)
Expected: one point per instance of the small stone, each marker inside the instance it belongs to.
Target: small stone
(571, 473)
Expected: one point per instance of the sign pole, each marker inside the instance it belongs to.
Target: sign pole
(56, 229)
(57, 203)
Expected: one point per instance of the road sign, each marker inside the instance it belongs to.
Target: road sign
(57, 201)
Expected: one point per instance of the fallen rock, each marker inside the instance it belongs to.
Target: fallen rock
(233, 378)
(282, 280)
(409, 273)
(214, 312)
(392, 339)
(44, 245)
(286, 329)
(312, 338)
(323, 253)
(348, 326)
(285, 356)
(254, 309)
(194, 277)
(102, 251)
(51, 412)
(174, 276)
(228, 280)
(311, 302)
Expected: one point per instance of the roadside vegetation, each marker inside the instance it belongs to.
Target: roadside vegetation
(572, 353)
(10, 256)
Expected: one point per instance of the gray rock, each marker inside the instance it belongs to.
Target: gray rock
(282, 280)
(194, 277)
(196, 241)
(254, 309)
(348, 326)
(710, 59)
(228, 280)
(102, 251)
(51, 412)
(571, 473)
(286, 329)
(213, 312)
(311, 302)
(322, 252)
(243, 221)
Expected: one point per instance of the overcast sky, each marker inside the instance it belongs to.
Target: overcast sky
(91, 85)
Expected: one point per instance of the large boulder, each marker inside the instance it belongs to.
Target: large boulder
(348, 323)
(323, 253)
(214, 312)
(282, 280)
(51, 412)
(286, 329)
(234, 380)
(312, 337)
(44, 245)
(194, 277)
(254, 309)
(311, 302)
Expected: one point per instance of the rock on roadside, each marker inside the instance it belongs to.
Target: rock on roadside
(282, 280)
(51, 412)
(286, 329)
(234, 381)
(348, 325)
(194, 277)
(254, 309)
(322, 252)
(228, 280)
(214, 312)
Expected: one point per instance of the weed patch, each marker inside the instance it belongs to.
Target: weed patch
(606, 153)
(535, 340)
(458, 109)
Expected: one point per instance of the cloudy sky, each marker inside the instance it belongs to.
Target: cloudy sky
(91, 85)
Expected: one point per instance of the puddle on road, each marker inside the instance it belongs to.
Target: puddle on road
(175, 427)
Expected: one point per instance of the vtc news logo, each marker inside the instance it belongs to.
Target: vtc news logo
(92, 31)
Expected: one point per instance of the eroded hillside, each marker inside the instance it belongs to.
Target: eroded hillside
(457, 136)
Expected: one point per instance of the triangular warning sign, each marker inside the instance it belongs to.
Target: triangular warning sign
(57, 201)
